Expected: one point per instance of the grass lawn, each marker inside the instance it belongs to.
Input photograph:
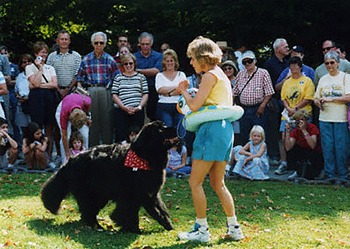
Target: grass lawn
(271, 214)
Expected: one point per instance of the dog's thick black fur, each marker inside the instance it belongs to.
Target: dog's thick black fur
(98, 175)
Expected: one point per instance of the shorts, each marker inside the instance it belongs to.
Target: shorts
(213, 141)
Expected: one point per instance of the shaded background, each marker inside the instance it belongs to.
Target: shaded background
(254, 23)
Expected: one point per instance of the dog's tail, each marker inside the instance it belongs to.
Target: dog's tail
(54, 191)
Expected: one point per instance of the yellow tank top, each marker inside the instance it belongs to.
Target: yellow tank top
(221, 93)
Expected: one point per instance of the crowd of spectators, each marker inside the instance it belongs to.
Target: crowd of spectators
(303, 111)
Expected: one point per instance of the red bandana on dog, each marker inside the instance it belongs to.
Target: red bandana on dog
(135, 162)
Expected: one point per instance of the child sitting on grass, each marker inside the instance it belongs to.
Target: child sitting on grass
(34, 148)
(252, 161)
(177, 159)
(76, 142)
(8, 147)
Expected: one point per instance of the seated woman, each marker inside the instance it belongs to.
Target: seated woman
(303, 145)
(35, 145)
(177, 160)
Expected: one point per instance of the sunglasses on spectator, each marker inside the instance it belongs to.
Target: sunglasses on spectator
(99, 43)
(25, 62)
(329, 62)
(128, 63)
(327, 48)
(228, 68)
(250, 61)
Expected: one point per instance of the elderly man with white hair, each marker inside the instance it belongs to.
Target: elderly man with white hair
(149, 63)
(96, 73)
(275, 65)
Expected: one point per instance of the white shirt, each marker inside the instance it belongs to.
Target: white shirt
(162, 81)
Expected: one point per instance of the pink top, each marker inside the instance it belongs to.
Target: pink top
(70, 102)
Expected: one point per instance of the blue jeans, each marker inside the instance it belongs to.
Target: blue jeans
(168, 114)
(250, 119)
(335, 144)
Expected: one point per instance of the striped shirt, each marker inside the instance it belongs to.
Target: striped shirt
(257, 89)
(128, 88)
(96, 71)
(66, 66)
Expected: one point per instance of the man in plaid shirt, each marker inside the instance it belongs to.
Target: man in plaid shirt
(96, 73)
(253, 95)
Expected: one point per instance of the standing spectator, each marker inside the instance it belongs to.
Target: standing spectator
(238, 53)
(297, 93)
(73, 112)
(340, 49)
(96, 72)
(122, 45)
(286, 73)
(321, 70)
(3, 91)
(22, 91)
(66, 63)
(10, 99)
(164, 47)
(230, 69)
(123, 50)
(42, 96)
(149, 63)
(130, 95)
(275, 65)
(332, 95)
(166, 85)
(254, 89)
(5, 67)
(122, 41)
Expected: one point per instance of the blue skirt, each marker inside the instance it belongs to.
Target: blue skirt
(213, 141)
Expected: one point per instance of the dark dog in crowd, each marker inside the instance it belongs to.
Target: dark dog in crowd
(104, 173)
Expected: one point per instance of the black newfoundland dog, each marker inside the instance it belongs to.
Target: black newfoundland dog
(131, 176)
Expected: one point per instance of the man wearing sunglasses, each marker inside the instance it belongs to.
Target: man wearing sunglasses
(254, 89)
(96, 73)
(344, 65)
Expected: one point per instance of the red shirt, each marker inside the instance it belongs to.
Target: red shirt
(301, 141)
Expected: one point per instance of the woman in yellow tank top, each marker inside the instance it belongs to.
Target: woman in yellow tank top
(213, 142)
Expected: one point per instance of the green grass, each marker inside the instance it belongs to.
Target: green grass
(271, 214)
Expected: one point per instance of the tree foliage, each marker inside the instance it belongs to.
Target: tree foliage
(255, 23)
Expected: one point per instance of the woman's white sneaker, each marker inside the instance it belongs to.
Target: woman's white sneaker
(234, 232)
(198, 233)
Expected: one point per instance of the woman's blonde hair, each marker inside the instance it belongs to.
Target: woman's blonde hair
(127, 57)
(301, 114)
(258, 129)
(172, 53)
(205, 51)
(78, 118)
